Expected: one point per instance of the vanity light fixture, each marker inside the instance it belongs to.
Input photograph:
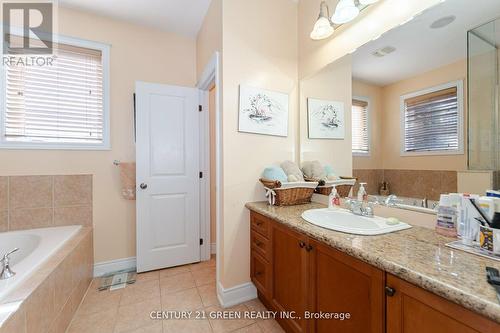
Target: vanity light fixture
(323, 28)
(345, 11)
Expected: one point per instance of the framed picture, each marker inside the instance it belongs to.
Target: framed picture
(325, 119)
(263, 112)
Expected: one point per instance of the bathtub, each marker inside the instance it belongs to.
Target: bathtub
(35, 247)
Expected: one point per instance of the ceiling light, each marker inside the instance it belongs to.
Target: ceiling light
(367, 2)
(323, 28)
(384, 51)
(346, 11)
(443, 22)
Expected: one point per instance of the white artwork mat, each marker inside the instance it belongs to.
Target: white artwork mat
(263, 112)
(326, 119)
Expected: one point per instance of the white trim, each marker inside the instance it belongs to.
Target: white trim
(236, 295)
(106, 143)
(106, 267)
(210, 75)
(459, 84)
(213, 248)
(368, 125)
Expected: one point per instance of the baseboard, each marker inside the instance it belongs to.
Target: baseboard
(236, 295)
(105, 267)
(213, 248)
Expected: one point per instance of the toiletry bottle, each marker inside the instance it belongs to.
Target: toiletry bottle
(446, 223)
(335, 198)
(362, 195)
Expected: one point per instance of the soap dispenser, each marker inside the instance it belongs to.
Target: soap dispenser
(333, 199)
(362, 195)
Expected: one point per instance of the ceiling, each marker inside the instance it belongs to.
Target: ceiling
(418, 47)
(179, 16)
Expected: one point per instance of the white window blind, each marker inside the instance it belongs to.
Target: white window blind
(431, 121)
(62, 103)
(360, 140)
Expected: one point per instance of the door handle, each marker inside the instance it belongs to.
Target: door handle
(143, 186)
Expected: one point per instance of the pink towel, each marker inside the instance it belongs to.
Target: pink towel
(127, 176)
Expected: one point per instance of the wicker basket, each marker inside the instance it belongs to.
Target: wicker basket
(343, 190)
(288, 196)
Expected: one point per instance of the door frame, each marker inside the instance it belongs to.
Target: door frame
(209, 77)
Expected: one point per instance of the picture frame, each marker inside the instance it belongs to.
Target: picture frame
(263, 111)
(325, 119)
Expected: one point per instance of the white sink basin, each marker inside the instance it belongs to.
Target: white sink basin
(345, 221)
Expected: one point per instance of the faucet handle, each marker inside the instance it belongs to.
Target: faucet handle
(6, 255)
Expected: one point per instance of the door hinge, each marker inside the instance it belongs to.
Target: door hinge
(201, 241)
(201, 174)
(200, 108)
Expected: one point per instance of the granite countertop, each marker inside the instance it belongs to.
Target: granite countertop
(417, 255)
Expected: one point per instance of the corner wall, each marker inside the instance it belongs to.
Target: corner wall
(259, 49)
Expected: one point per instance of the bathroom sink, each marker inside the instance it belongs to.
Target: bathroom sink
(345, 221)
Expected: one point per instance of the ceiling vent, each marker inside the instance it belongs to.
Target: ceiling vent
(384, 51)
(443, 22)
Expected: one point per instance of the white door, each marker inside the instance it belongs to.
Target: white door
(167, 156)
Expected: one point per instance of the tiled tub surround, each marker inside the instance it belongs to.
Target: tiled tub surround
(46, 301)
(29, 202)
(417, 255)
(409, 183)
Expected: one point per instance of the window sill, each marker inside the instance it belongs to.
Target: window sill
(31, 146)
(359, 154)
(432, 153)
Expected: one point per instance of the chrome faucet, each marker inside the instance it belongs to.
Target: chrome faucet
(425, 203)
(7, 273)
(358, 208)
(391, 200)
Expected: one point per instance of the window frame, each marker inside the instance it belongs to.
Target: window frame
(368, 126)
(459, 85)
(106, 138)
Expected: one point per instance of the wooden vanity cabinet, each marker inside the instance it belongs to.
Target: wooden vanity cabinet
(296, 274)
(411, 309)
(305, 275)
(341, 283)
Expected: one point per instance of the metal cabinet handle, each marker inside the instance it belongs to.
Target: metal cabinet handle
(143, 186)
(390, 291)
(258, 273)
(309, 248)
(302, 244)
(259, 244)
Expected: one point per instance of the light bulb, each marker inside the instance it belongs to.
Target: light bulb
(345, 12)
(322, 29)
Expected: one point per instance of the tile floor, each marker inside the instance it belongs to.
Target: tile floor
(184, 288)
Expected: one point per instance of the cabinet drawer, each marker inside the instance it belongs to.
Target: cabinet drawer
(260, 224)
(261, 273)
(260, 244)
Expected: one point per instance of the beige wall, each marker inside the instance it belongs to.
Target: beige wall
(375, 108)
(259, 49)
(137, 53)
(373, 22)
(332, 83)
(391, 121)
(209, 39)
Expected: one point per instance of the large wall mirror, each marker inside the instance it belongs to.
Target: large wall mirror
(417, 108)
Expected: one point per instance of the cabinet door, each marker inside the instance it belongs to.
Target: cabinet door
(289, 276)
(343, 284)
(411, 309)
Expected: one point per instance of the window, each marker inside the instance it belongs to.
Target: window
(360, 132)
(432, 120)
(58, 106)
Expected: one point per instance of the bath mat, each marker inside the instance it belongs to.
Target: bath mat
(117, 280)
